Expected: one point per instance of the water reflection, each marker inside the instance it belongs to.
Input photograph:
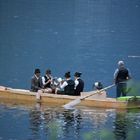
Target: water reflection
(126, 125)
(121, 126)
(35, 120)
(82, 123)
(54, 123)
(96, 121)
(58, 123)
(72, 122)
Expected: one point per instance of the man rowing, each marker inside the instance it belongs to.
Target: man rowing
(121, 75)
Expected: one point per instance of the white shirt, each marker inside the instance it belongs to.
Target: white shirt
(43, 79)
(62, 86)
(76, 83)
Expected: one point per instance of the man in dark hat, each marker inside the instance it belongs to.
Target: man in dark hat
(36, 81)
(66, 86)
(79, 83)
(47, 81)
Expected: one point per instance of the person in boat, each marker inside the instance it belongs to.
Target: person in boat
(121, 76)
(66, 86)
(47, 80)
(36, 81)
(79, 83)
(98, 86)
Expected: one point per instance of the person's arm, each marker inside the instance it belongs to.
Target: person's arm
(41, 84)
(33, 85)
(62, 86)
(45, 83)
(129, 74)
(115, 74)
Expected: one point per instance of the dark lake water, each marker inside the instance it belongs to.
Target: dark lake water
(77, 35)
(89, 36)
(55, 123)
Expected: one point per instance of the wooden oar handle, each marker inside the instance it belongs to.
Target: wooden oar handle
(97, 91)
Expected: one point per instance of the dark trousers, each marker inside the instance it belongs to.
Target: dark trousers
(121, 89)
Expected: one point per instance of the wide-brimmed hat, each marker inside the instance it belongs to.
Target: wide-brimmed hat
(48, 71)
(77, 74)
(67, 74)
(37, 71)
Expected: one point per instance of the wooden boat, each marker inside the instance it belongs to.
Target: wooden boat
(25, 96)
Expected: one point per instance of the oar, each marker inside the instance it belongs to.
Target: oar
(78, 100)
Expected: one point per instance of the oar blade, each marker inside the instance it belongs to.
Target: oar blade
(72, 103)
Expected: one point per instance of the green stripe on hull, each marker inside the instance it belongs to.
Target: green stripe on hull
(126, 98)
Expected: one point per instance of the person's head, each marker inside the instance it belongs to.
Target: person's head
(37, 72)
(120, 63)
(77, 74)
(48, 72)
(98, 85)
(67, 75)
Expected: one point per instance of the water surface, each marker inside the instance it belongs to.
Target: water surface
(77, 35)
(41, 122)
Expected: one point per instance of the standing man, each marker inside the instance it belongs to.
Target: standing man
(79, 83)
(36, 81)
(121, 76)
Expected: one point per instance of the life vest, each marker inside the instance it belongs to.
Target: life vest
(122, 75)
(46, 80)
(69, 89)
(80, 87)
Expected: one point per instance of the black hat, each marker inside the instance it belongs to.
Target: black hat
(48, 71)
(77, 74)
(67, 74)
(37, 71)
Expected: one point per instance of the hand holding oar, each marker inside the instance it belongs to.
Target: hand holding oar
(78, 100)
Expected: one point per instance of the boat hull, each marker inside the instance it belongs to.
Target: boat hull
(25, 96)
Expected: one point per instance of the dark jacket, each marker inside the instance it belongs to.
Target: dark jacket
(122, 75)
(69, 89)
(80, 87)
(36, 84)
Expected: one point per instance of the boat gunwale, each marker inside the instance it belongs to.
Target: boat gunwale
(50, 95)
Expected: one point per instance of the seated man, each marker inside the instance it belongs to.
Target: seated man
(47, 81)
(36, 81)
(66, 86)
(96, 93)
(36, 84)
(79, 83)
(98, 86)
